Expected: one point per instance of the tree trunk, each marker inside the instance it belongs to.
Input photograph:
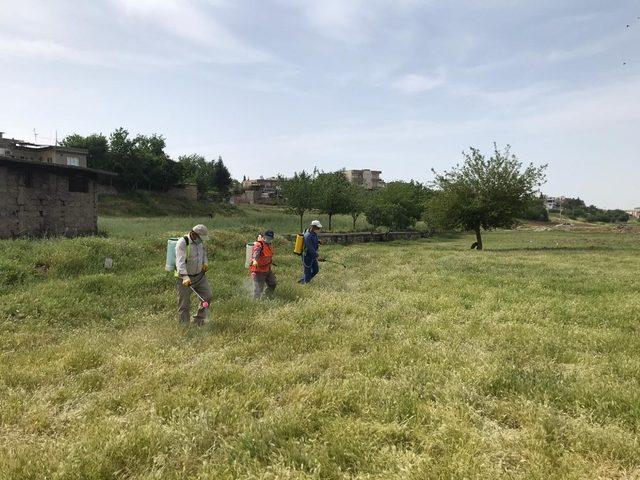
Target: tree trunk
(301, 215)
(478, 238)
(330, 222)
(355, 217)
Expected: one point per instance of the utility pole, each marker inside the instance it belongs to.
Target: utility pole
(35, 136)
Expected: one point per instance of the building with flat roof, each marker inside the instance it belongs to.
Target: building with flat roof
(366, 178)
(21, 150)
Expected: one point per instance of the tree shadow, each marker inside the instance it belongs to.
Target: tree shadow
(594, 248)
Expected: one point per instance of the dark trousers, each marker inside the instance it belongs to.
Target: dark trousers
(311, 269)
(260, 279)
(200, 285)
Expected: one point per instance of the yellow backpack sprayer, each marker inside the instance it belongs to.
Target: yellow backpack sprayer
(298, 246)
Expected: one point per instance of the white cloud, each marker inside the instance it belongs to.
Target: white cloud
(416, 83)
(183, 19)
(348, 21)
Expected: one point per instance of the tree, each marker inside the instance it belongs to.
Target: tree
(357, 202)
(397, 206)
(222, 180)
(97, 146)
(298, 193)
(484, 193)
(332, 194)
(536, 210)
(123, 160)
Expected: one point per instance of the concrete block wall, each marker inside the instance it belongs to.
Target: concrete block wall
(47, 207)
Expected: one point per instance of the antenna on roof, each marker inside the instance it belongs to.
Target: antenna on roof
(35, 136)
(56, 144)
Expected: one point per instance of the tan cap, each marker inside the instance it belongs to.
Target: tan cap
(202, 232)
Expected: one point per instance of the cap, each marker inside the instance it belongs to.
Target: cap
(268, 236)
(316, 223)
(201, 231)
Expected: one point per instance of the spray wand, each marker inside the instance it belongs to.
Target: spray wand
(331, 261)
(205, 304)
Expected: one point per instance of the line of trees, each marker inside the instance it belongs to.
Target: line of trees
(397, 206)
(142, 163)
(483, 193)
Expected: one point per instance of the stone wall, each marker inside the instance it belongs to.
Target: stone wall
(366, 237)
(37, 201)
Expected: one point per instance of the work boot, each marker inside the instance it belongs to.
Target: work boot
(197, 321)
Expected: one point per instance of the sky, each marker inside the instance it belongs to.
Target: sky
(277, 86)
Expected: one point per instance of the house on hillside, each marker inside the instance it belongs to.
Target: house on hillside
(260, 190)
(369, 179)
(553, 203)
(635, 213)
(46, 190)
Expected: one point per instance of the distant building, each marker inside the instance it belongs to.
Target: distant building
(635, 213)
(260, 190)
(369, 179)
(553, 203)
(12, 148)
(46, 190)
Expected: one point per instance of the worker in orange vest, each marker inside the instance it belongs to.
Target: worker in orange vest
(260, 267)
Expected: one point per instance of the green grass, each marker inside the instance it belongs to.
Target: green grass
(421, 360)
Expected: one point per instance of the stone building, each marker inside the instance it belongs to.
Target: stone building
(42, 197)
(369, 179)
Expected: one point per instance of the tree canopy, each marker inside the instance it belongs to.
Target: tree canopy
(397, 206)
(299, 193)
(141, 162)
(484, 193)
(332, 194)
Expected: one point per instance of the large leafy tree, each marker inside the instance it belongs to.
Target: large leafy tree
(333, 192)
(123, 160)
(397, 206)
(484, 193)
(299, 193)
(222, 180)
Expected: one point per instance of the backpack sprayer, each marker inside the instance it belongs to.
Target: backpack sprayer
(170, 264)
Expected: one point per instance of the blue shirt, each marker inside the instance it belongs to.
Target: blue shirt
(311, 244)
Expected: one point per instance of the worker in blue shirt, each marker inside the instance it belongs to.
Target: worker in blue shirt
(310, 257)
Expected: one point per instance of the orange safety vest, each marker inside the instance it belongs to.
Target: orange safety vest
(264, 259)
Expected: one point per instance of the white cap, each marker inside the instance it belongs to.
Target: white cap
(316, 223)
(202, 232)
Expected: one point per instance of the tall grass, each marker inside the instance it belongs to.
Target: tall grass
(421, 360)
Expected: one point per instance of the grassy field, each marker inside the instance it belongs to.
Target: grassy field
(422, 360)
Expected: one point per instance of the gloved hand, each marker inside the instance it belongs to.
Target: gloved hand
(186, 282)
(205, 267)
(254, 263)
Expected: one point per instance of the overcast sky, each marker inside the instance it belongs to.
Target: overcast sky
(276, 86)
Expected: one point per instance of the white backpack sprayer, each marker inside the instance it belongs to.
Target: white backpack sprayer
(170, 263)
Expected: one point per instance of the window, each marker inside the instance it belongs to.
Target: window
(73, 161)
(78, 183)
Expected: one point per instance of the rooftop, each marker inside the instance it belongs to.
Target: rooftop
(55, 166)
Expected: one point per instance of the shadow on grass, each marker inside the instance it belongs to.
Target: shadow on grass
(593, 248)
